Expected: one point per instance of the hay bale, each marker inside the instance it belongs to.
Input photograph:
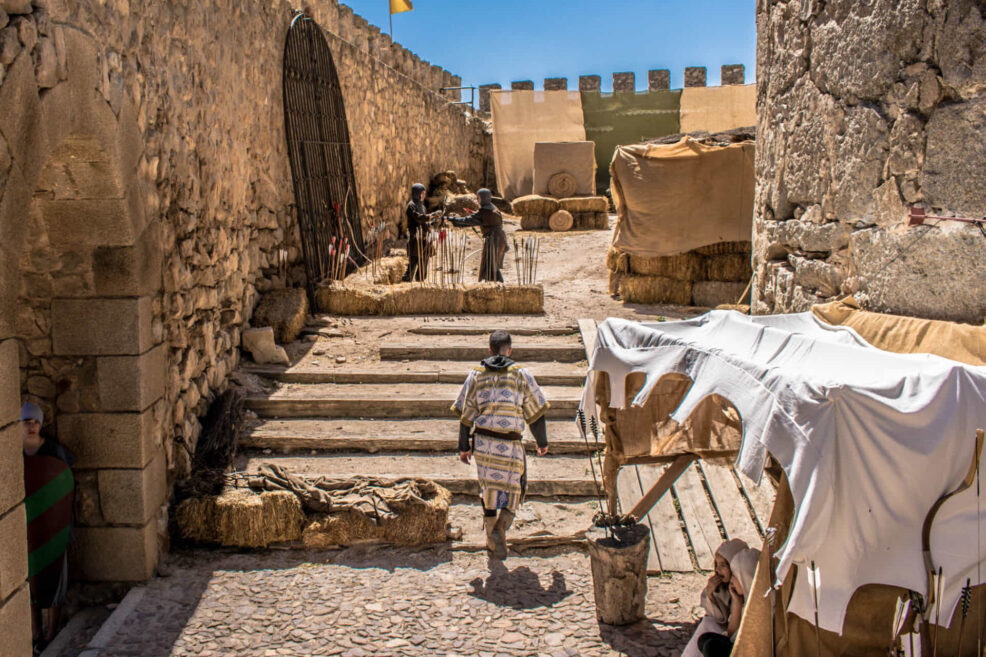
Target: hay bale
(502, 299)
(614, 281)
(585, 204)
(389, 270)
(351, 300)
(722, 248)
(536, 206)
(617, 260)
(533, 222)
(241, 518)
(728, 267)
(655, 289)
(682, 267)
(562, 185)
(284, 310)
(561, 221)
(421, 523)
(715, 293)
(591, 221)
(417, 299)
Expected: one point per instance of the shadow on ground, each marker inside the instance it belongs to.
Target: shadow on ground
(519, 588)
(642, 638)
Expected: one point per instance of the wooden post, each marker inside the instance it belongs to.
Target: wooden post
(619, 575)
(661, 486)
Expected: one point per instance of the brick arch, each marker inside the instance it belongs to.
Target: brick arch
(78, 281)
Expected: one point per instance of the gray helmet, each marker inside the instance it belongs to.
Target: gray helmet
(485, 196)
(417, 189)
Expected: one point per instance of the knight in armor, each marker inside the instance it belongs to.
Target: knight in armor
(490, 221)
(418, 224)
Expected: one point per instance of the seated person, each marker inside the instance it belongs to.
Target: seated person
(715, 597)
(743, 567)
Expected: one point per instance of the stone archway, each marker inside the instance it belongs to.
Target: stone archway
(80, 271)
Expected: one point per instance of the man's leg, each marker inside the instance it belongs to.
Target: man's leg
(500, 533)
(35, 621)
(489, 524)
(54, 615)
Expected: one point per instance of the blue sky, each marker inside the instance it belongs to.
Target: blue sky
(498, 41)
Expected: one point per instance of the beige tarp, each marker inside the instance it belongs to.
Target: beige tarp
(520, 120)
(575, 157)
(672, 198)
(716, 109)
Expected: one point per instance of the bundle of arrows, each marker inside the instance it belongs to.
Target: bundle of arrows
(526, 253)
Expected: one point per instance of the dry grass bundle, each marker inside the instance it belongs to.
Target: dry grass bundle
(715, 293)
(534, 205)
(614, 281)
(585, 204)
(562, 185)
(419, 523)
(351, 300)
(533, 222)
(561, 221)
(722, 248)
(390, 270)
(591, 220)
(241, 518)
(617, 260)
(728, 267)
(738, 307)
(501, 299)
(655, 289)
(415, 299)
(682, 267)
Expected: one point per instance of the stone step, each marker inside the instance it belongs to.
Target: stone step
(547, 374)
(561, 352)
(372, 400)
(376, 436)
(551, 476)
(467, 329)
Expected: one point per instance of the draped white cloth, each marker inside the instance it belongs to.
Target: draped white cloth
(868, 439)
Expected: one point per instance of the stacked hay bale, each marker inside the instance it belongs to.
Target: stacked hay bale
(586, 212)
(707, 276)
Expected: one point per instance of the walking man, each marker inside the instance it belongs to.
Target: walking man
(498, 398)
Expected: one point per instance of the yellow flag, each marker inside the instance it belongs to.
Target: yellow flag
(399, 6)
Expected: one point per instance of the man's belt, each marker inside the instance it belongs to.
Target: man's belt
(511, 435)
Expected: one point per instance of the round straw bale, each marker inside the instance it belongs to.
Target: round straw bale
(722, 248)
(562, 185)
(533, 222)
(534, 205)
(585, 204)
(561, 221)
(655, 289)
(682, 267)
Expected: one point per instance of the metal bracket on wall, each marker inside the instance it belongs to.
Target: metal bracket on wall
(916, 217)
(472, 95)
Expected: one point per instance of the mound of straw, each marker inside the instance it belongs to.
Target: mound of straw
(241, 518)
(501, 299)
(722, 248)
(682, 267)
(728, 267)
(655, 289)
(421, 522)
(576, 204)
(534, 205)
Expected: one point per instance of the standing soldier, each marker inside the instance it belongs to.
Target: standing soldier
(418, 222)
(489, 219)
(498, 398)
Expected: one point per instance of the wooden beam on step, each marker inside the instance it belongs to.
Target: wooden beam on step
(587, 327)
(662, 485)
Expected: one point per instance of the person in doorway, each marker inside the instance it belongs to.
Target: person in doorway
(490, 221)
(418, 224)
(48, 492)
(716, 598)
(498, 398)
(743, 567)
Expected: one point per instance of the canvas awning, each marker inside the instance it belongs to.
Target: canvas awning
(868, 439)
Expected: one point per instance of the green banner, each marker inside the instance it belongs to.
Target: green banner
(621, 119)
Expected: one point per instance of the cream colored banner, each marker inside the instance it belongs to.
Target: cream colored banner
(715, 109)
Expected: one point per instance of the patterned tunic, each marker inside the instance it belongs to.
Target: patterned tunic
(503, 401)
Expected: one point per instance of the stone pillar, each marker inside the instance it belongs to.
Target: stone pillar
(658, 79)
(624, 82)
(456, 81)
(15, 606)
(345, 25)
(522, 85)
(732, 74)
(361, 33)
(555, 84)
(590, 83)
(695, 76)
(484, 96)
(435, 80)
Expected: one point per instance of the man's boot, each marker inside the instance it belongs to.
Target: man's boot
(489, 524)
(500, 534)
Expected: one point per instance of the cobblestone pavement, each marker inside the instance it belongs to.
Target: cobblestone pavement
(390, 601)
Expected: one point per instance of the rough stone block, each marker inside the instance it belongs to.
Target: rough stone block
(11, 467)
(522, 85)
(114, 554)
(129, 270)
(555, 84)
(260, 343)
(98, 327)
(285, 311)
(94, 222)
(15, 625)
(695, 76)
(590, 83)
(13, 550)
(732, 74)
(132, 497)
(110, 440)
(956, 158)
(658, 79)
(10, 378)
(484, 96)
(132, 383)
(624, 82)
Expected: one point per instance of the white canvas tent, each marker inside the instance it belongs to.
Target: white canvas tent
(868, 441)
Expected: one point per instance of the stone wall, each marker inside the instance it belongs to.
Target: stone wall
(145, 201)
(866, 109)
